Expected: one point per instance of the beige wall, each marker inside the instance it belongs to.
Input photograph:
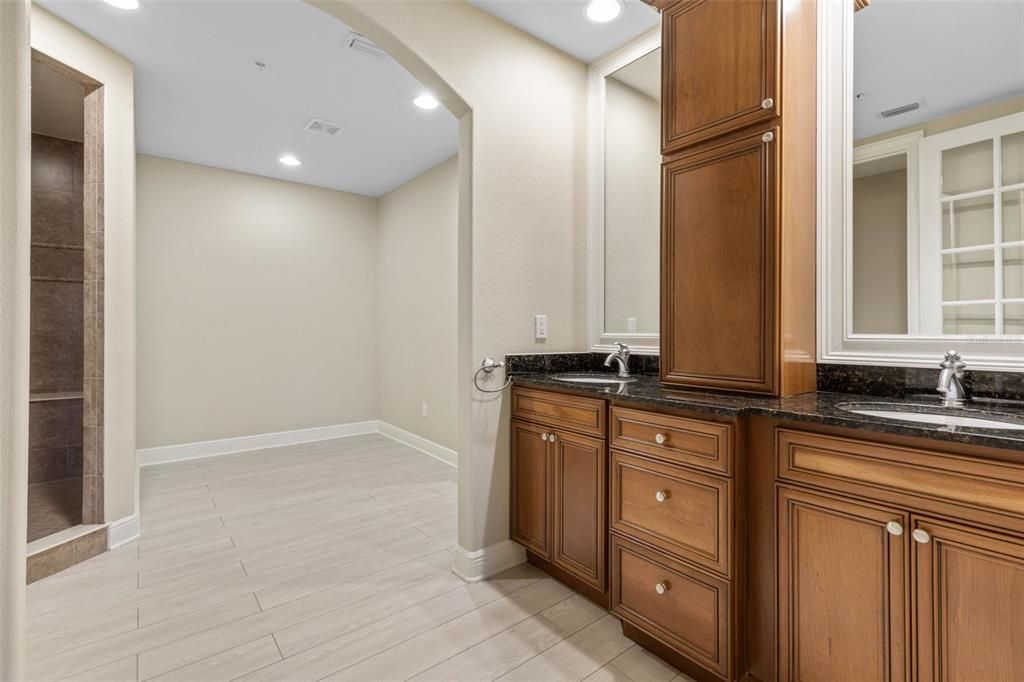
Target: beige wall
(632, 226)
(522, 109)
(257, 310)
(67, 44)
(15, 235)
(880, 253)
(416, 302)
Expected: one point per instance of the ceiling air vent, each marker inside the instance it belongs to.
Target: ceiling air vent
(322, 127)
(896, 111)
(357, 41)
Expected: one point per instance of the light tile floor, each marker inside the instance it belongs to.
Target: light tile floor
(328, 560)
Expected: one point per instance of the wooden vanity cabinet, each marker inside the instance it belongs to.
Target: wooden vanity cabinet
(738, 195)
(897, 563)
(558, 487)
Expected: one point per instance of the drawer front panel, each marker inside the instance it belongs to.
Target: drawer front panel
(585, 415)
(835, 462)
(690, 613)
(704, 444)
(679, 511)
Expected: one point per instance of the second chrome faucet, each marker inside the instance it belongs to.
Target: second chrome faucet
(621, 356)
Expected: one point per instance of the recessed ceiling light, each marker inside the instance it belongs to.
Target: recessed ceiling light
(603, 11)
(289, 160)
(426, 101)
(124, 4)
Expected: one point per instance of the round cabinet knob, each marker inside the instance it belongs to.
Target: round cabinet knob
(661, 588)
(552, 437)
(544, 436)
(661, 495)
(660, 439)
(894, 528)
(768, 137)
(767, 103)
(921, 536)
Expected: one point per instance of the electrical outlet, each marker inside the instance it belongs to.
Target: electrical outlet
(540, 326)
(423, 410)
(631, 325)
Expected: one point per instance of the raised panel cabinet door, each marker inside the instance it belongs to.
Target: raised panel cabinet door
(719, 266)
(531, 487)
(970, 603)
(843, 599)
(720, 66)
(580, 492)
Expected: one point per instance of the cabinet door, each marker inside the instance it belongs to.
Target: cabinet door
(843, 602)
(531, 487)
(970, 603)
(580, 526)
(720, 68)
(719, 264)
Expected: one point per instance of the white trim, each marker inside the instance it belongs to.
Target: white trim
(227, 446)
(123, 531)
(427, 447)
(835, 147)
(474, 566)
(597, 339)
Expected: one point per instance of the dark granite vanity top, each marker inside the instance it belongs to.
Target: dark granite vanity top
(818, 407)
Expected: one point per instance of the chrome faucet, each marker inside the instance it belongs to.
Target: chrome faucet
(620, 356)
(951, 380)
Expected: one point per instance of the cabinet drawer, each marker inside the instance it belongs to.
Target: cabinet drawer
(692, 613)
(703, 444)
(680, 511)
(836, 463)
(585, 415)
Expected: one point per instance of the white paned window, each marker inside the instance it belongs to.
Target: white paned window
(971, 198)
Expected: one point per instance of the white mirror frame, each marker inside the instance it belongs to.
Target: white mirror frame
(837, 344)
(597, 338)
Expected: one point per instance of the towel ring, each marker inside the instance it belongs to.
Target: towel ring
(487, 366)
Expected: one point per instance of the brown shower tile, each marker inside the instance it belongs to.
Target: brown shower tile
(52, 163)
(57, 307)
(74, 464)
(47, 425)
(75, 421)
(88, 546)
(48, 562)
(57, 262)
(53, 506)
(48, 464)
(93, 412)
(92, 499)
(56, 361)
(54, 218)
(93, 353)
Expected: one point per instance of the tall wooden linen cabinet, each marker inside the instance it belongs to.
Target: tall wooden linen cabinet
(738, 194)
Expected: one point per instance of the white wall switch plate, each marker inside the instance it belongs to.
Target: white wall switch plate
(540, 326)
(423, 410)
(631, 325)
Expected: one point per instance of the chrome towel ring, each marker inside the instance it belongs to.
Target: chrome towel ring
(487, 366)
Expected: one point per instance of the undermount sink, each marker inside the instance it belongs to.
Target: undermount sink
(595, 380)
(926, 414)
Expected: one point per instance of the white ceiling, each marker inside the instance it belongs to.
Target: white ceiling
(201, 98)
(950, 55)
(562, 24)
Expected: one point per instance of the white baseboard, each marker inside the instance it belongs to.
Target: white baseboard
(123, 530)
(227, 446)
(429, 447)
(474, 566)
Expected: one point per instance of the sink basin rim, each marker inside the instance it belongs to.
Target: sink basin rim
(929, 414)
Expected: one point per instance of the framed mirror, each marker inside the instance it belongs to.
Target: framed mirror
(624, 192)
(921, 182)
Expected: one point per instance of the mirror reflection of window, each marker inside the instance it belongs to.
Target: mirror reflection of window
(938, 176)
(633, 196)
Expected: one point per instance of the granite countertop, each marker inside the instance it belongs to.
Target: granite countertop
(817, 407)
